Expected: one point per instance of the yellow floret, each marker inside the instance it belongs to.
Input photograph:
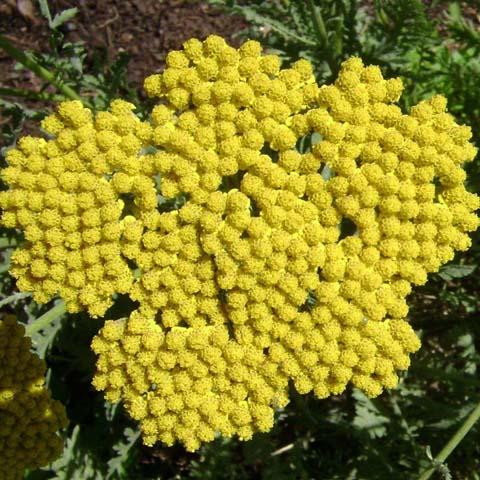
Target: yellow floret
(30, 417)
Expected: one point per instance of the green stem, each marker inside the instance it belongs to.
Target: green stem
(452, 443)
(20, 92)
(322, 35)
(28, 62)
(13, 298)
(47, 318)
(7, 242)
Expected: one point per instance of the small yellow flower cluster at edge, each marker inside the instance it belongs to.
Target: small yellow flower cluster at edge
(30, 418)
(61, 196)
(248, 284)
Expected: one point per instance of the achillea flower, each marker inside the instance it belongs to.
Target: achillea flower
(223, 105)
(187, 383)
(30, 418)
(248, 282)
(65, 195)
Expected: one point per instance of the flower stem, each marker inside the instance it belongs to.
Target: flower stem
(47, 318)
(322, 35)
(14, 298)
(7, 242)
(28, 61)
(23, 93)
(453, 442)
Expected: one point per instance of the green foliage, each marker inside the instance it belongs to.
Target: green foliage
(451, 271)
(368, 417)
(90, 73)
(395, 436)
(60, 18)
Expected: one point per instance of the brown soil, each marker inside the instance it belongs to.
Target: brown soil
(146, 29)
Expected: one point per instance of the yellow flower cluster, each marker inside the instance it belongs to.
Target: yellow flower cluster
(187, 384)
(384, 165)
(65, 195)
(222, 106)
(30, 418)
(247, 283)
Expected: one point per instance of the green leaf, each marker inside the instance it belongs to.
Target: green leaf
(63, 17)
(367, 416)
(43, 339)
(327, 173)
(454, 418)
(76, 462)
(118, 465)
(45, 10)
(449, 272)
(316, 138)
(284, 31)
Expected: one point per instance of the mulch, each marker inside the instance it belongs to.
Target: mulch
(146, 29)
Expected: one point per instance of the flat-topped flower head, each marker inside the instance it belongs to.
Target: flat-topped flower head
(257, 250)
(252, 264)
(30, 418)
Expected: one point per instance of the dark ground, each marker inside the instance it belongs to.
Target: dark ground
(146, 29)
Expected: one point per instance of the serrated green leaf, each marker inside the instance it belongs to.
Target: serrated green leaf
(118, 465)
(45, 10)
(76, 462)
(367, 416)
(63, 17)
(450, 272)
(253, 16)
